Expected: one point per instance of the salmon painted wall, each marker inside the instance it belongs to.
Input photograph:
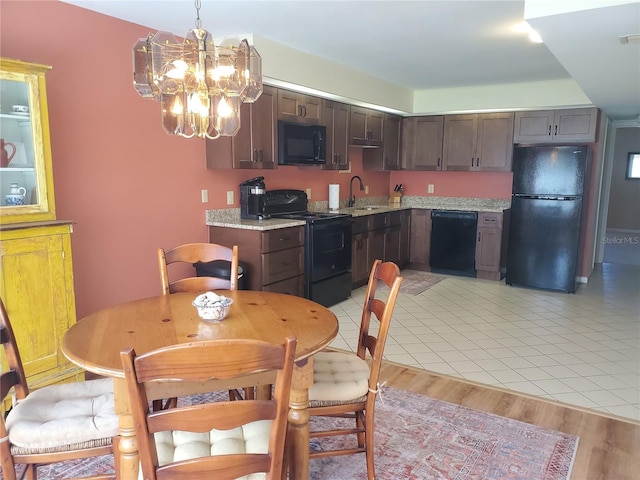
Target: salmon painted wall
(455, 184)
(128, 186)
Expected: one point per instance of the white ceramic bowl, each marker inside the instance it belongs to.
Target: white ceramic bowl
(212, 307)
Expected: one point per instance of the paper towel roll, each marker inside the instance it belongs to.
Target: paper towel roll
(334, 196)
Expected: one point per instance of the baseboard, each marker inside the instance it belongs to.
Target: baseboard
(582, 279)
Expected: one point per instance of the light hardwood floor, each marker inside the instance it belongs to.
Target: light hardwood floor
(609, 446)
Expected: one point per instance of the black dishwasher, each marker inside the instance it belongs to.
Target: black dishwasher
(453, 242)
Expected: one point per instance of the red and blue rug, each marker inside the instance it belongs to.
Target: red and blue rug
(419, 438)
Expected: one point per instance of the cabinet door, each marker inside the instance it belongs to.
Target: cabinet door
(263, 129)
(375, 127)
(366, 126)
(556, 126)
(376, 245)
(360, 259)
(392, 244)
(254, 146)
(494, 142)
(405, 238)
(575, 125)
(335, 117)
(533, 127)
(298, 107)
(428, 132)
(391, 143)
(420, 237)
(358, 125)
(489, 245)
(459, 145)
(26, 145)
(36, 284)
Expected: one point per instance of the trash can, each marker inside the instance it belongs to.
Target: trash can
(220, 269)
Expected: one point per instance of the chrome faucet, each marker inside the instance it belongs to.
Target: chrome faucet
(352, 198)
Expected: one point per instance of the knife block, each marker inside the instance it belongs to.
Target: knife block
(395, 198)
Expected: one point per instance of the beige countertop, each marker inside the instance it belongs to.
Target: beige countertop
(365, 206)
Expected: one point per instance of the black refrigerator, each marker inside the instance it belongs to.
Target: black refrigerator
(546, 210)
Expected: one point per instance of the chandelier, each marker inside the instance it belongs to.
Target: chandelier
(199, 85)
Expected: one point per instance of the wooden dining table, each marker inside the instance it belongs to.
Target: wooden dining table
(95, 342)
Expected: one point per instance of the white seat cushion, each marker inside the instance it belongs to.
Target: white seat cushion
(338, 377)
(53, 418)
(250, 438)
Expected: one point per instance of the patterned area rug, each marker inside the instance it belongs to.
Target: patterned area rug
(415, 282)
(419, 438)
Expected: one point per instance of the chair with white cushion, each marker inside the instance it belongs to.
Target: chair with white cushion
(207, 436)
(345, 384)
(52, 424)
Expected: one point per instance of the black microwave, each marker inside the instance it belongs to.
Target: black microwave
(300, 144)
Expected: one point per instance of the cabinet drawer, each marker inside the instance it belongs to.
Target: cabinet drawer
(362, 224)
(490, 220)
(282, 238)
(380, 220)
(394, 218)
(291, 286)
(283, 264)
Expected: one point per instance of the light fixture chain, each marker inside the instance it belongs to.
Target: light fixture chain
(198, 22)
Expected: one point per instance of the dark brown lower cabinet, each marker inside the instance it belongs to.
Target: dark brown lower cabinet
(274, 258)
(491, 245)
(420, 239)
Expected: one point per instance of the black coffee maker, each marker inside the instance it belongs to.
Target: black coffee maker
(252, 199)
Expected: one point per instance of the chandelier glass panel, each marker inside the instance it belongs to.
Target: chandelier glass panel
(200, 85)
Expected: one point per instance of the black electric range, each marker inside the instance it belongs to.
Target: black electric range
(327, 257)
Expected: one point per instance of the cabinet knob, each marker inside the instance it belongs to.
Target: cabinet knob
(549, 130)
(556, 130)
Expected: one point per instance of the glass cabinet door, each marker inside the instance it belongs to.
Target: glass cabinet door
(26, 181)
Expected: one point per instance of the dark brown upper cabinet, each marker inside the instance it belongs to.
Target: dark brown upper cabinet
(422, 142)
(366, 127)
(298, 107)
(478, 142)
(556, 126)
(335, 116)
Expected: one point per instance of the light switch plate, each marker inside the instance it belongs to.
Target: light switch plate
(205, 195)
(366, 189)
(230, 197)
(430, 188)
(308, 194)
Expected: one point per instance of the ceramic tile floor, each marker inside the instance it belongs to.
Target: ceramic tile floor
(582, 349)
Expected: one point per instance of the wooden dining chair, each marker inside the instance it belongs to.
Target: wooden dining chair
(192, 253)
(197, 252)
(54, 423)
(346, 384)
(206, 436)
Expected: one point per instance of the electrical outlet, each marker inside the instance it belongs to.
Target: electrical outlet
(366, 189)
(430, 188)
(308, 194)
(230, 197)
(205, 196)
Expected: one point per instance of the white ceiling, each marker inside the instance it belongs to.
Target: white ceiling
(429, 44)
